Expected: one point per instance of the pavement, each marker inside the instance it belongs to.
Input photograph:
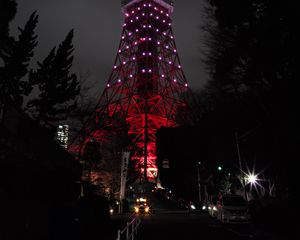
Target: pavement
(182, 225)
(169, 222)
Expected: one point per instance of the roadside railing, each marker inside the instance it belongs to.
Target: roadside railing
(130, 231)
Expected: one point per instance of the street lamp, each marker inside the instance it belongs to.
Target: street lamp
(242, 178)
(252, 179)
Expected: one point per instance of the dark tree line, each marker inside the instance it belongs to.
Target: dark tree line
(57, 86)
(251, 60)
(252, 63)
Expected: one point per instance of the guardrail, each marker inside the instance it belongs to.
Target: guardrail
(131, 230)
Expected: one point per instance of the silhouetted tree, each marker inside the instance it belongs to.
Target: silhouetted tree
(16, 56)
(91, 157)
(8, 9)
(252, 62)
(58, 87)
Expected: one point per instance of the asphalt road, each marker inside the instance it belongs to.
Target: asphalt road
(181, 225)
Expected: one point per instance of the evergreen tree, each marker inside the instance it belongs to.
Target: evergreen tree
(58, 87)
(16, 57)
(8, 9)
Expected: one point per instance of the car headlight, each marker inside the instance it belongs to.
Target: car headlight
(136, 209)
(193, 207)
(214, 208)
(111, 211)
(147, 209)
(203, 207)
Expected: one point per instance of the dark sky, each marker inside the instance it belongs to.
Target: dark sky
(98, 24)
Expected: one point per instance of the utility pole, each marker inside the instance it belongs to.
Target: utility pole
(199, 182)
(240, 165)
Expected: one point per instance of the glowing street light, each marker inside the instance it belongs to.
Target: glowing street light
(252, 179)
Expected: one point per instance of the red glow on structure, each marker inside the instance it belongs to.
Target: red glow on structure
(143, 93)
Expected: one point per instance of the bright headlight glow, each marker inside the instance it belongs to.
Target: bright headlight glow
(136, 209)
(111, 211)
(193, 207)
(214, 208)
(147, 209)
(204, 207)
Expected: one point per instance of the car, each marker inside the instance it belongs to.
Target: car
(212, 205)
(233, 209)
(204, 207)
(142, 206)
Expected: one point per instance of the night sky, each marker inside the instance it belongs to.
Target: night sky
(98, 25)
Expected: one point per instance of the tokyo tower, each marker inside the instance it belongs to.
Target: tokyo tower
(147, 88)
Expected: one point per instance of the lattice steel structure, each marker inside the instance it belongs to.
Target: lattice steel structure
(147, 88)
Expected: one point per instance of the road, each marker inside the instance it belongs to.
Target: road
(168, 223)
(181, 225)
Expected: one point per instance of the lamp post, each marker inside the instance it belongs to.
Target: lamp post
(240, 166)
(199, 182)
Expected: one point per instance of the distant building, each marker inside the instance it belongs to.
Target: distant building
(63, 135)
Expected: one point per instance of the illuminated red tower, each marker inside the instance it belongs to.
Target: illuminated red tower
(147, 88)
